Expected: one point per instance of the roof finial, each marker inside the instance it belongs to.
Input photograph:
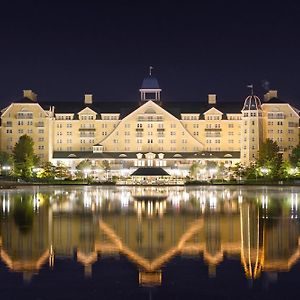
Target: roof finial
(150, 70)
(250, 86)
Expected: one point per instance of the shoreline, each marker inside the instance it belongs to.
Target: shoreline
(15, 185)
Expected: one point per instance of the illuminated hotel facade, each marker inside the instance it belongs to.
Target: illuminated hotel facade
(150, 132)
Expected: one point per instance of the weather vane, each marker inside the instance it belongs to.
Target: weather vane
(150, 70)
(250, 86)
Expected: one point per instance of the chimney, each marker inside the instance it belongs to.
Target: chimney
(30, 95)
(212, 98)
(88, 99)
(270, 94)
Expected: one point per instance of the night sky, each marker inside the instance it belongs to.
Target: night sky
(62, 49)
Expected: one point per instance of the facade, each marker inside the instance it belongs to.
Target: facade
(150, 132)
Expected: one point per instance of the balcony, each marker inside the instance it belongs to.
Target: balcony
(87, 129)
(212, 134)
(139, 129)
(8, 124)
(212, 129)
(86, 135)
(160, 129)
(40, 124)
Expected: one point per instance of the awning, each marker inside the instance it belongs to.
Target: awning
(150, 172)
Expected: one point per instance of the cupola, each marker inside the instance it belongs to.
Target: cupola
(150, 89)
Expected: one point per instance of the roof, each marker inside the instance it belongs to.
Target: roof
(150, 83)
(126, 107)
(177, 108)
(150, 172)
(133, 155)
(252, 102)
(274, 100)
(122, 107)
(24, 100)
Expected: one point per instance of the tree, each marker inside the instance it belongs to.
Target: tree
(295, 156)
(24, 157)
(84, 168)
(270, 158)
(62, 172)
(239, 171)
(194, 168)
(106, 167)
(48, 171)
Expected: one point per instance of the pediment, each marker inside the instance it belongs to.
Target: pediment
(213, 111)
(87, 111)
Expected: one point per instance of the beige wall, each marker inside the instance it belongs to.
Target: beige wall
(149, 128)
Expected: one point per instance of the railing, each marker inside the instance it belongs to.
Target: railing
(279, 117)
(21, 117)
(143, 119)
(87, 129)
(139, 129)
(87, 135)
(212, 134)
(40, 124)
(213, 129)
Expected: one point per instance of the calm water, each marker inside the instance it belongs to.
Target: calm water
(150, 243)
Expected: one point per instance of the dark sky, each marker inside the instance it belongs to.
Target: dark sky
(62, 49)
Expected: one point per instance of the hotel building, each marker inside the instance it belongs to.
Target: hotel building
(149, 131)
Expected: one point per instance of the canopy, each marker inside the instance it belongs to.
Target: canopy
(150, 172)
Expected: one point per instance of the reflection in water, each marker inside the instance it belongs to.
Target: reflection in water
(258, 226)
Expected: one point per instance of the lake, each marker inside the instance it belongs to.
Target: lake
(95, 242)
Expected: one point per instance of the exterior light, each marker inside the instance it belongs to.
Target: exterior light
(212, 171)
(86, 172)
(264, 170)
(293, 171)
(6, 168)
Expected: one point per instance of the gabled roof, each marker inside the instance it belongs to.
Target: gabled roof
(122, 107)
(177, 108)
(126, 107)
(274, 100)
(154, 171)
(24, 100)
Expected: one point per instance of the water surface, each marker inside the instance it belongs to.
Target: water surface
(149, 243)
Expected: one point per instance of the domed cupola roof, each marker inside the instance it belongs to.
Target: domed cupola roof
(252, 102)
(150, 83)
